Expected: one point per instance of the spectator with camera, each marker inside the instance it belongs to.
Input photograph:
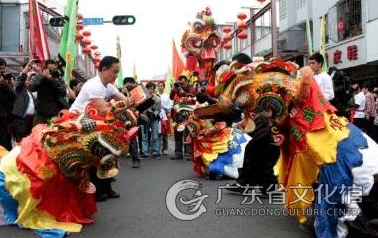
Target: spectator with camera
(152, 125)
(51, 92)
(130, 83)
(182, 93)
(6, 105)
(24, 104)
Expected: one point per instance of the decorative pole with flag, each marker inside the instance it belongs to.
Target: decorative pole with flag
(309, 38)
(322, 42)
(177, 64)
(119, 56)
(38, 46)
(68, 45)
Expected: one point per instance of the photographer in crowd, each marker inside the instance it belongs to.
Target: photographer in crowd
(24, 103)
(51, 92)
(152, 125)
(182, 93)
(6, 105)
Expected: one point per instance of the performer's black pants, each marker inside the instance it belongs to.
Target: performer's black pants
(103, 186)
(259, 158)
(133, 149)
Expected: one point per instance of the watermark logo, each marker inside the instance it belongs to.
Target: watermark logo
(185, 208)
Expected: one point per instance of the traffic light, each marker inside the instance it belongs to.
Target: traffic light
(124, 20)
(56, 21)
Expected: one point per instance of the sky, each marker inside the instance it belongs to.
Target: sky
(148, 43)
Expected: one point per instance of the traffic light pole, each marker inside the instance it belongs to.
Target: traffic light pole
(116, 20)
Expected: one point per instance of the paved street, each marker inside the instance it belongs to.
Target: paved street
(141, 210)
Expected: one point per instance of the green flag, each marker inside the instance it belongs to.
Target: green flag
(169, 82)
(68, 45)
(309, 38)
(119, 56)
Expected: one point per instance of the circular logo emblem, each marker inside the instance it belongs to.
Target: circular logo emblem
(192, 207)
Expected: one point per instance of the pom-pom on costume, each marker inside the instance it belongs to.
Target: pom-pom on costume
(217, 150)
(44, 183)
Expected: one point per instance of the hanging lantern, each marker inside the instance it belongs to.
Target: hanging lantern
(80, 16)
(94, 47)
(242, 16)
(242, 35)
(87, 50)
(227, 38)
(79, 27)
(86, 33)
(227, 46)
(86, 41)
(79, 36)
(97, 64)
(242, 25)
(227, 29)
(96, 59)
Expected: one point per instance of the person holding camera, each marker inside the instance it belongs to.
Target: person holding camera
(24, 103)
(128, 84)
(51, 92)
(7, 96)
(152, 125)
(182, 90)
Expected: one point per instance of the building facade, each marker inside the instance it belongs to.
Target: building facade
(351, 37)
(14, 36)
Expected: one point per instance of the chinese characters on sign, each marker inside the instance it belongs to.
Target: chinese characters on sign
(337, 57)
(352, 54)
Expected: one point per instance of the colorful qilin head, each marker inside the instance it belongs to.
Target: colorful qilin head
(200, 43)
(269, 90)
(95, 138)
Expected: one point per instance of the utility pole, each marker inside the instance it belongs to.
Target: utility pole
(252, 28)
(273, 12)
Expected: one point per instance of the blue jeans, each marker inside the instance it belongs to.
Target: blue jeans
(155, 142)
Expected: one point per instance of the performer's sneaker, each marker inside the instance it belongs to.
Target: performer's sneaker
(101, 197)
(113, 194)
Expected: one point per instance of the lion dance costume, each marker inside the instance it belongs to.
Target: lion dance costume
(44, 182)
(318, 149)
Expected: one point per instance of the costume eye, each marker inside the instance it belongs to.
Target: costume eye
(198, 27)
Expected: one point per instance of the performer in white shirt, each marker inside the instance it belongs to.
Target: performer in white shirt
(322, 78)
(101, 88)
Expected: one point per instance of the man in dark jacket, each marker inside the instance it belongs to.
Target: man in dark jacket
(24, 104)
(6, 105)
(51, 93)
